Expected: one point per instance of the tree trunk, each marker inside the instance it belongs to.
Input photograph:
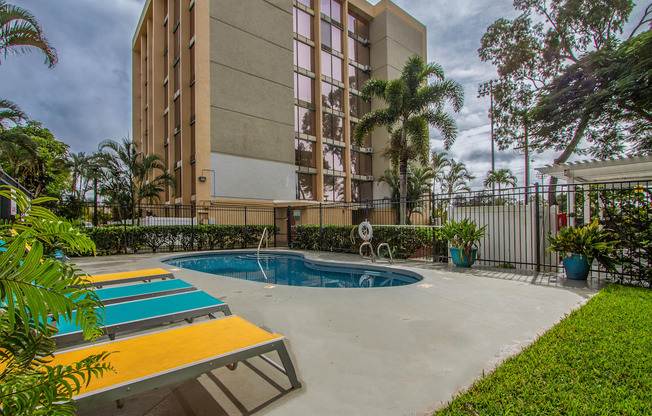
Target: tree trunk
(402, 175)
(579, 133)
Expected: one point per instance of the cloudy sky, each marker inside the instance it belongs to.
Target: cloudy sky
(86, 98)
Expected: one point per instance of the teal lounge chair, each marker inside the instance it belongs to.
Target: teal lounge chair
(146, 313)
(127, 293)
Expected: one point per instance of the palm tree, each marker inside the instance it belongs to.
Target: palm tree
(412, 107)
(418, 184)
(456, 179)
(439, 163)
(10, 113)
(499, 177)
(20, 32)
(130, 176)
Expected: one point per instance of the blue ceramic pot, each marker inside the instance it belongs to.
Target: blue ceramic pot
(577, 267)
(465, 262)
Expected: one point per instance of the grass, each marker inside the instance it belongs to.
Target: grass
(597, 361)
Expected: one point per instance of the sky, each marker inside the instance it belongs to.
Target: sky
(86, 97)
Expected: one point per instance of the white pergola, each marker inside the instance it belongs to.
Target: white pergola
(635, 168)
(610, 171)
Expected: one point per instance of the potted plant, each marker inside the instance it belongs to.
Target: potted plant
(463, 239)
(580, 246)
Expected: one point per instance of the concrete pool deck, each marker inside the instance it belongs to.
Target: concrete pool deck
(381, 351)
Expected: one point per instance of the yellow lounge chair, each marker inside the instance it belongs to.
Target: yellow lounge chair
(126, 277)
(149, 361)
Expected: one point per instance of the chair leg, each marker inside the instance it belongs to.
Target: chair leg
(287, 364)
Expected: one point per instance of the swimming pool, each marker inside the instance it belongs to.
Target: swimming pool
(293, 269)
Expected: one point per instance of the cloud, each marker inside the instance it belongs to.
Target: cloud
(86, 98)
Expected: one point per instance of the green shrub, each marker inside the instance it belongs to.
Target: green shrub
(405, 242)
(111, 239)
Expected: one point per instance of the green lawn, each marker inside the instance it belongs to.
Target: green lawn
(597, 361)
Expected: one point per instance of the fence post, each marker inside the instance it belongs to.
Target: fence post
(274, 214)
(289, 226)
(320, 226)
(537, 224)
(192, 227)
(245, 226)
(124, 225)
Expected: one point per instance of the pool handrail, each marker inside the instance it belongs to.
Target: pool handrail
(261, 241)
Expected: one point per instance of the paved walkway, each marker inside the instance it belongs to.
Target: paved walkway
(382, 351)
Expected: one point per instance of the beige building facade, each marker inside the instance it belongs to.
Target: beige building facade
(255, 101)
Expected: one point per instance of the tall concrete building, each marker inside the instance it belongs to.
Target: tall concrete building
(256, 100)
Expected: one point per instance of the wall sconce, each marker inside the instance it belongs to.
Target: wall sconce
(202, 179)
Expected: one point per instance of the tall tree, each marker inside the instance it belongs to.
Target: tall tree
(499, 177)
(413, 106)
(530, 56)
(130, 176)
(34, 157)
(21, 33)
(438, 163)
(456, 179)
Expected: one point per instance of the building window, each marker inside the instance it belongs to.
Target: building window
(331, 36)
(333, 127)
(304, 153)
(304, 120)
(177, 149)
(192, 63)
(305, 186)
(307, 3)
(360, 163)
(357, 106)
(357, 77)
(303, 55)
(361, 191)
(332, 9)
(333, 189)
(192, 22)
(177, 183)
(302, 23)
(177, 115)
(166, 129)
(177, 11)
(333, 158)
(177, 77)
(177, 43)
(303, 88)
(358, 25)
(332, 96)
(331, 66)
(358, 52)
(193, 148)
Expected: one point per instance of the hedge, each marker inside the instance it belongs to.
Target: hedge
(110, 240)
(405, 242)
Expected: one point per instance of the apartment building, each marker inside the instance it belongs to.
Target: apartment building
(255, 101)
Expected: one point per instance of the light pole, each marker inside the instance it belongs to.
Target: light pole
(484, 89)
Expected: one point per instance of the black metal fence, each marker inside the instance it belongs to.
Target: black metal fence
(518, 220)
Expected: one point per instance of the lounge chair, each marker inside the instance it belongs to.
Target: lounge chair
(146, 313)
(173, 355)
(147, 275)
(127, 293)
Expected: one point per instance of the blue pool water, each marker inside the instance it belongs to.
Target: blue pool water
(293, 270)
